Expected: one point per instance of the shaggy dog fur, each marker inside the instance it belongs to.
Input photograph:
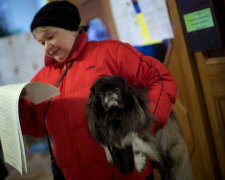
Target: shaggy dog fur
(118, 117)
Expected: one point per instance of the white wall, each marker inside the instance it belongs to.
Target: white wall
(21, 57)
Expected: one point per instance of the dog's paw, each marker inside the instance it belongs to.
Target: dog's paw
(108, 155)
(140, 161)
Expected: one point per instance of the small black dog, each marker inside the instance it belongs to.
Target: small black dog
(119, 119)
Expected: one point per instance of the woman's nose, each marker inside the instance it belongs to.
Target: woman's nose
(47, 48)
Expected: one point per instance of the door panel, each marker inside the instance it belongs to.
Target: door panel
(182, 113)
(212, 76)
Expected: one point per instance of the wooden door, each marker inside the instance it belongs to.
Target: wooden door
(200, 107)
(211, 68)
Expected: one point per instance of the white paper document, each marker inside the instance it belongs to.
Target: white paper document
(10, 130)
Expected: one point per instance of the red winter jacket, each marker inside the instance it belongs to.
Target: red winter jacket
(76, 152)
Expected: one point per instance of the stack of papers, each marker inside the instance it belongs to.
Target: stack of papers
(10, 130)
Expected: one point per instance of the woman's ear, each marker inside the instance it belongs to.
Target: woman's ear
(75, 33)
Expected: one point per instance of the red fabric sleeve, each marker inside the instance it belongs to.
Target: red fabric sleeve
(162, 89)
(147, 72)
(30, 124)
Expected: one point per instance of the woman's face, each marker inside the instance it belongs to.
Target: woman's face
(57, 42)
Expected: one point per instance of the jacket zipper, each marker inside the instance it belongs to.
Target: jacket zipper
(73, 142)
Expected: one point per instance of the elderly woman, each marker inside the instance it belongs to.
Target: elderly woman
(56, 27)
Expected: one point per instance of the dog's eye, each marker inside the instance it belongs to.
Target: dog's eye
(116, 89)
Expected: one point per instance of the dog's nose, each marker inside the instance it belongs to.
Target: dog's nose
(109, 92)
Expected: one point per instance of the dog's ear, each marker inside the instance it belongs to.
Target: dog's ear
(128, 89)
(93, 89)
(121, 81)
(93, 119)
(92, 100)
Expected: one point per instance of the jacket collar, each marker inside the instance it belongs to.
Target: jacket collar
(79, 44)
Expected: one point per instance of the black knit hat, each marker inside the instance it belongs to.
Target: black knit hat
(58, 14)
